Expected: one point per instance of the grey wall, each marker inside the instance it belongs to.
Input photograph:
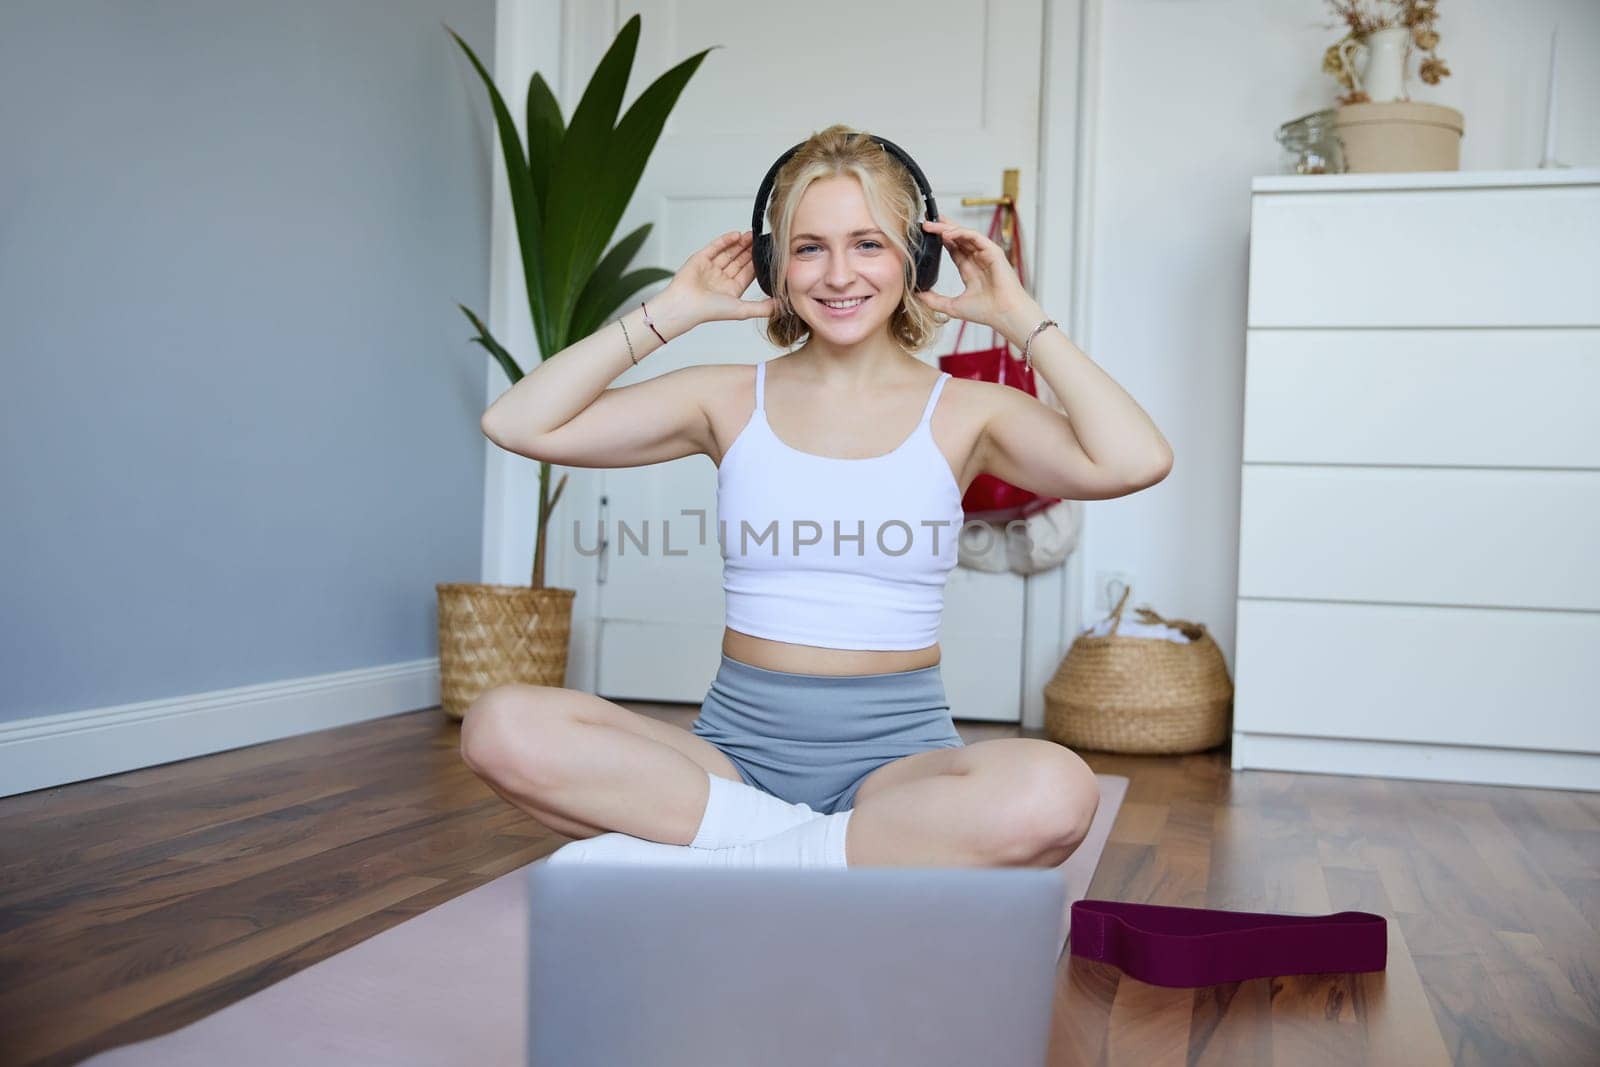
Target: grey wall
(238, 411)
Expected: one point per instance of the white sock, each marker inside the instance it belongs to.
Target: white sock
(737, 814)
(818, 842)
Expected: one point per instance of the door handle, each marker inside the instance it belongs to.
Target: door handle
(1010, 182)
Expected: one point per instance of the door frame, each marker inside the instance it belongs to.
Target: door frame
(1062, 246)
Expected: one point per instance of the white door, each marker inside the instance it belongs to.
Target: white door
(954, 84)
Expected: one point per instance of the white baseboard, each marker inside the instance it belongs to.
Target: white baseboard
(75, 746)
(1428, 762)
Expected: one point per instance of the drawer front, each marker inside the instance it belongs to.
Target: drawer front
(1468, 537)
(1462, 676)
(1426, 257)
(1471, 398)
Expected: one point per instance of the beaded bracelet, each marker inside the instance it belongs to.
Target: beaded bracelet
(628, 339)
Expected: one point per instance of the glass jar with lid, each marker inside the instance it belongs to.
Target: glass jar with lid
(1311, 145)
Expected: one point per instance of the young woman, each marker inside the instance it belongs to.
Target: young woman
(825, 736)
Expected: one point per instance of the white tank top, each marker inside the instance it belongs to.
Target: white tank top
(838, 553)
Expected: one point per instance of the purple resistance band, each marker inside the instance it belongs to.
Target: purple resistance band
(1198, 946)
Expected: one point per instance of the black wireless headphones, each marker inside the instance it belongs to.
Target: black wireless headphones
(927, 250)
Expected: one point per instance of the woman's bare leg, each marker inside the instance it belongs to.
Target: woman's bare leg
(583, 765)
(1006, 802)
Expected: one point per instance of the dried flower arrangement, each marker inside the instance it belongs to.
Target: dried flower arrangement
(1416, 15)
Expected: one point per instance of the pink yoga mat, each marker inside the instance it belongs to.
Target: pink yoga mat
(445, 987)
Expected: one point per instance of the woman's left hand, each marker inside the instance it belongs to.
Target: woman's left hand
(993, 290)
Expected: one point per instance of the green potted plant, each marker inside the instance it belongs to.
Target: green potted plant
(568, 189)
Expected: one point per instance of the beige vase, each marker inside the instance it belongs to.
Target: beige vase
(492, 635)
(1399, 135)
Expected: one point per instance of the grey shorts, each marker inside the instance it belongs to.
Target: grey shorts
(812, 738)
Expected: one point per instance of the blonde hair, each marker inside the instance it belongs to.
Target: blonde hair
(896, 205)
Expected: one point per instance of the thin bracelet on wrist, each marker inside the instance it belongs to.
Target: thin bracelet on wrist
(650, 324)
(1037, 330)
(630, 343)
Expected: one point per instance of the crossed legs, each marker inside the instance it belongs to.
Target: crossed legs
(582, 766)
(1007, 802)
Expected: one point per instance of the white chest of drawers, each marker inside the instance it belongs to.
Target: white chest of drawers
(1419, 542)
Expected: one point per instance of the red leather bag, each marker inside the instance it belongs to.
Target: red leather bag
(989, 498)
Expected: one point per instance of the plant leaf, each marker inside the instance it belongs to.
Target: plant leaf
(575, 180)
(525, 204)
(630, 147)
(495, 348)
(545, 131)
(592, 308)
(624, 287)
(555, 496)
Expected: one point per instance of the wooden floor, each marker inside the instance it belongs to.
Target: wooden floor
(133, 904)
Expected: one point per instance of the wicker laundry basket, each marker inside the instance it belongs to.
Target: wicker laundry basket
(1117, 693)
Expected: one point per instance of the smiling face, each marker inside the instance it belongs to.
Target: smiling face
(838, 253)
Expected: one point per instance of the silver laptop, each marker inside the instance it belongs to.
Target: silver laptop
(679, 966)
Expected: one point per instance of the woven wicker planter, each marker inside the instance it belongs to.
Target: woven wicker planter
(1141, 695)
(490, 635)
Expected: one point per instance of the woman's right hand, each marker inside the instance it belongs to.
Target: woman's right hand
(708, 287)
